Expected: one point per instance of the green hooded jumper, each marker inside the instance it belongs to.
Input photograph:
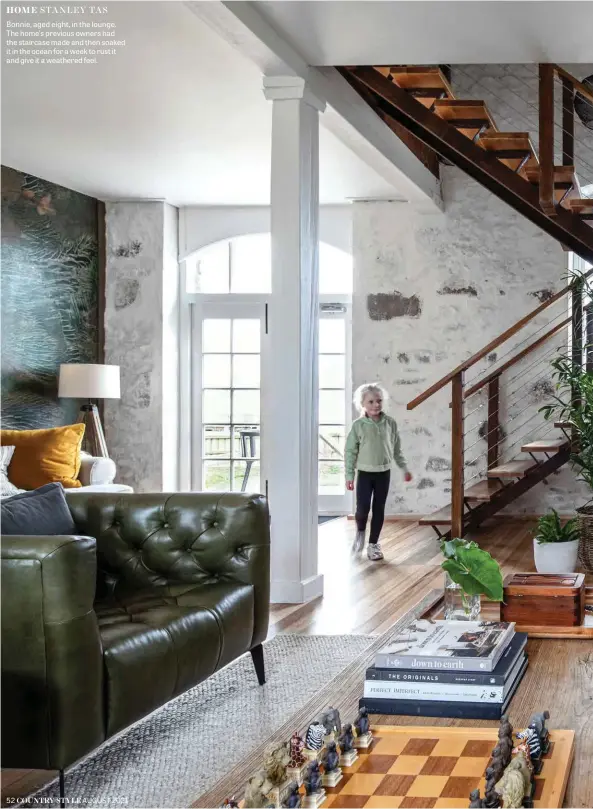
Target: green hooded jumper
(373, 446)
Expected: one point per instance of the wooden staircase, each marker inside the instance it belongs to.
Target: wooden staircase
(464, 132)
(506, 474)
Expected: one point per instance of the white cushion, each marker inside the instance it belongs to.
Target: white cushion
(7, 489)
(96, 471)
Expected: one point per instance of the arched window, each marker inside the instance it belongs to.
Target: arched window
(243, 266)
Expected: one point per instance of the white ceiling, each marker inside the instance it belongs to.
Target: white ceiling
(441, 32)
(177, 114)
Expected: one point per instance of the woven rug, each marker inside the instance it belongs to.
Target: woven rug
(177, 753)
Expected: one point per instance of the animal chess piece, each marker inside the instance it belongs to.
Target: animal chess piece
(256, 791)
(346, 739)
(230, 803)
(475, 801)
(503, 750)
(295, 750)
(313, 778)
(315, 736)
(330, 758)
(538, 723)
(361, 723)
(276, 760)
(505, 729)
(294, 800)
(331, 721)
(532, 744)
(491, 798)
(515, 784)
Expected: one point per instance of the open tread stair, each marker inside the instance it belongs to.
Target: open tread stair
(567, 217)
(548, 446)
(511, 470)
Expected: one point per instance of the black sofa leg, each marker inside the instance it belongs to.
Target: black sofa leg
(257, 655)
(62, 795)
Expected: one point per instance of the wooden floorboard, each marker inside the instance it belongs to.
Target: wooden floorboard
(363, 597)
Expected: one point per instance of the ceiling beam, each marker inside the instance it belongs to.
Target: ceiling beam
(347, 116)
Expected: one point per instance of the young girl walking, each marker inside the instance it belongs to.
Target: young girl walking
(372, 447)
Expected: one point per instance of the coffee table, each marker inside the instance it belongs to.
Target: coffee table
(559, 678)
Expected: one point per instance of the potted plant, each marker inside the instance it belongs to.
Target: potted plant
(573, 406)
(470, 573)
(556, 546)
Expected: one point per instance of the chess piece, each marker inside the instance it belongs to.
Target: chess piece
(313, 779)
(491, 798)
(330, 760)
(230, 803)
(276, 760)
(295, 751)
(361, 723)
(504, 749)
(294, 800)
(256, 791)
(538, 723)
(346, 739)
(475, 801)
(330, 719)
(348, 754)
(532, 744)
(314, 737)
(505, 729)
(362, 728)
(515, 784)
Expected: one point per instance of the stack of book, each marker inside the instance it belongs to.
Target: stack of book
(460, 669)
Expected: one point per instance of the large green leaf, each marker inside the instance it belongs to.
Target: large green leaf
(474, 570)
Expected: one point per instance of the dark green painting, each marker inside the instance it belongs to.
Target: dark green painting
(49, 287)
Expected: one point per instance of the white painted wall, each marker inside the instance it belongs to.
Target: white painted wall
(200, 226)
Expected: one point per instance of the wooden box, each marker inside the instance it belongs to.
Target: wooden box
(544, 599)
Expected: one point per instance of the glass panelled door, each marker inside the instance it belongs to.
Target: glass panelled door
(333, 410)
(227, 381)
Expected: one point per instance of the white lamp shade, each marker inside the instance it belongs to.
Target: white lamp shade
(85, 381)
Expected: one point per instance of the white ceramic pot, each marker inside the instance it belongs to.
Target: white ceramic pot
(556, 557)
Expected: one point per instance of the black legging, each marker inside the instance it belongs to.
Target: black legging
(375, 486)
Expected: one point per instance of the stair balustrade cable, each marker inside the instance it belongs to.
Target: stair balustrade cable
(516, 347)
(508, 395)
(532, 124)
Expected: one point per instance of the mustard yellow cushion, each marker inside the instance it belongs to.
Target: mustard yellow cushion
(45, 456)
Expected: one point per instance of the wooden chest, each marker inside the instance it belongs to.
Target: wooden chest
(544, 599)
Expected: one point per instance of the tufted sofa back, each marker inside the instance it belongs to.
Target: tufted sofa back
(175, 541)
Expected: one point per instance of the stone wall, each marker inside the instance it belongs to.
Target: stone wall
(140, 337)
(429, 291)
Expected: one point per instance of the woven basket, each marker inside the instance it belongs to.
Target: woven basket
(586, 542)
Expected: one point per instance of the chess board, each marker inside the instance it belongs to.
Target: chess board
(428, 767)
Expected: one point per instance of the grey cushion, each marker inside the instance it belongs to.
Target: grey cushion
(41, 512)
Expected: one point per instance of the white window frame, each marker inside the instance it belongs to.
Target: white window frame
(334, 504)
(223, 306)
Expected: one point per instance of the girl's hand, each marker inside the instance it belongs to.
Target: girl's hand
(408, 477)
(350, 485)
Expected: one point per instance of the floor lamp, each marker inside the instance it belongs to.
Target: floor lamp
(90, 382)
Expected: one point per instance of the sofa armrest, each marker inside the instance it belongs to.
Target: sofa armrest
(96, 471)
(52, 682)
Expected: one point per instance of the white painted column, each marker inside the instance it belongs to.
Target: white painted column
(290, 425)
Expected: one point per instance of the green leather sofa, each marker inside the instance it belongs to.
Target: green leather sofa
(155, 594)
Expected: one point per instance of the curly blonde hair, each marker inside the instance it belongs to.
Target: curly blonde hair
(368, 387)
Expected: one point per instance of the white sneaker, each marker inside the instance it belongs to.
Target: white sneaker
(358, 543)
(374, 552)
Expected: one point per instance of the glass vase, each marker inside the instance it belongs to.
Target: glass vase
(458, 605)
